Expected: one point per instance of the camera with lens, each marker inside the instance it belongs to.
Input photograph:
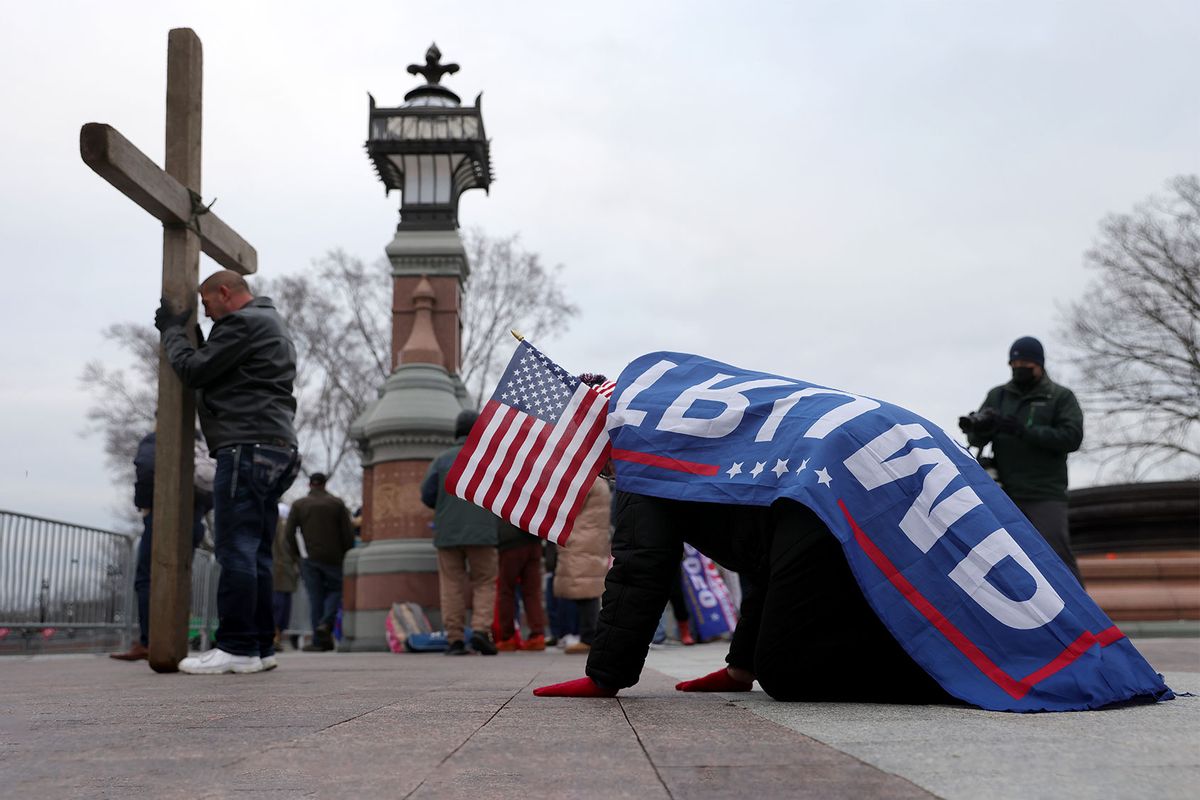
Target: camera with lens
(981, 422)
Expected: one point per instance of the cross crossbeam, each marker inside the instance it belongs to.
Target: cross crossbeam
(119, 162)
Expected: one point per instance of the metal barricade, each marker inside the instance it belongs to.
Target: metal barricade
(203, 615)
(69, 588)
(69, 585)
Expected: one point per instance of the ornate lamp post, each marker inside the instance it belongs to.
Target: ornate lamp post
(431, 149)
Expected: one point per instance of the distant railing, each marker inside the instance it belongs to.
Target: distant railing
(56, 575)
(203, 614)
(69, 588)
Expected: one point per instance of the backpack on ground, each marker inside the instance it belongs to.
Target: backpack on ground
(405, 620)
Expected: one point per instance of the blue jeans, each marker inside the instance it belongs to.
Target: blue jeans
(141, 578)
(246, 489)
(562, 615)
(324, 585)
(281, 608)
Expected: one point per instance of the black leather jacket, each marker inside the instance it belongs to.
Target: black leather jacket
(242, 375)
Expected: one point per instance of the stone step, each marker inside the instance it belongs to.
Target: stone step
(1126, 566)
(1145, 586)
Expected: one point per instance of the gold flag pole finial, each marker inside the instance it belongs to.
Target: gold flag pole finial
(517, 335)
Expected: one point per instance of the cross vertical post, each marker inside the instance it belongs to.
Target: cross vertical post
(172, 196)
(171, 556)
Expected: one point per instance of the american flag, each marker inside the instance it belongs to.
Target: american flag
(538, 445)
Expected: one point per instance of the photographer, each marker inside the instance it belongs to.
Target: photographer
(1032, 423)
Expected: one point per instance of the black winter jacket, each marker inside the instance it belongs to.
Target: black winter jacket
(242, 375)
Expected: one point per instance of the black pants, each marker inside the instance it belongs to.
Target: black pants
(589, 612)
(806, 632)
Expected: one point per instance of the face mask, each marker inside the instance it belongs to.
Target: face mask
(1022, 376)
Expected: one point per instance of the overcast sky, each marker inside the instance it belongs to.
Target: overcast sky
(877, 196)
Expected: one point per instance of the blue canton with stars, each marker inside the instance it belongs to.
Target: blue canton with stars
(536, 385)
(952, 568)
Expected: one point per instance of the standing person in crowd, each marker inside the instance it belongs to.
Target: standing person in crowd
(328, 535)
(583, 563)
(562, 616)
(285, 576)
(520, 563)
(243, 377)
(679, 610)
(465, 536)
(1032, 423)
(143, 499)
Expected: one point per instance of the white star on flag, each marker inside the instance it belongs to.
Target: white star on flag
(736, 469)
(803, 466)
(823, 477)
(780, 469)
(758, 468)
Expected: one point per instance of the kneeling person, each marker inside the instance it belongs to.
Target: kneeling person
(806, 631)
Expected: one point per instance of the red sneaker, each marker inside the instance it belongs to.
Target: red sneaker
(508, 645)
(533, 643)
(685, 633)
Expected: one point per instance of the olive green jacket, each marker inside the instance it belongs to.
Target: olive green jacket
(1033, 465)
(456, 522)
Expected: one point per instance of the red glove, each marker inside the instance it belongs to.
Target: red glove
(580, 687)
(719, 681)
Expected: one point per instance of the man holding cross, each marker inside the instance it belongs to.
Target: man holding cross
(243, 378)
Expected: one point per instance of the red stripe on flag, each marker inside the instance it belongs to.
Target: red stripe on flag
(552, 459)
(499, 470)
(464, 455)
(487, 453)
(578, 444)
(534, 470)
(1016, 689)
(581, 498)
(664, 462)
(1071, 652)
(522, 467)
(577, 480)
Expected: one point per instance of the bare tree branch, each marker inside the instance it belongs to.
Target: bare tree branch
(1135, 335)
(339, 313)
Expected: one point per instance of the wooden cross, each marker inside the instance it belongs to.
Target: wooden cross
(173, 196)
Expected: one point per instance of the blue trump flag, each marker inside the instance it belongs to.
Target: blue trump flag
(957, 574)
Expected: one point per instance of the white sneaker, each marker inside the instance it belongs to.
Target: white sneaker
(567, 641)
(269, 663)
(218, 662)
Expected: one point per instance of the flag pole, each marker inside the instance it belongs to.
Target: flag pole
(517, 335)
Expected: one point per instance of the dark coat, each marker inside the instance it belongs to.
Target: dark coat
(510, 537)
(242, 375)
(1033, 465)
(456, 522)
(325, 523)
(285, 566)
